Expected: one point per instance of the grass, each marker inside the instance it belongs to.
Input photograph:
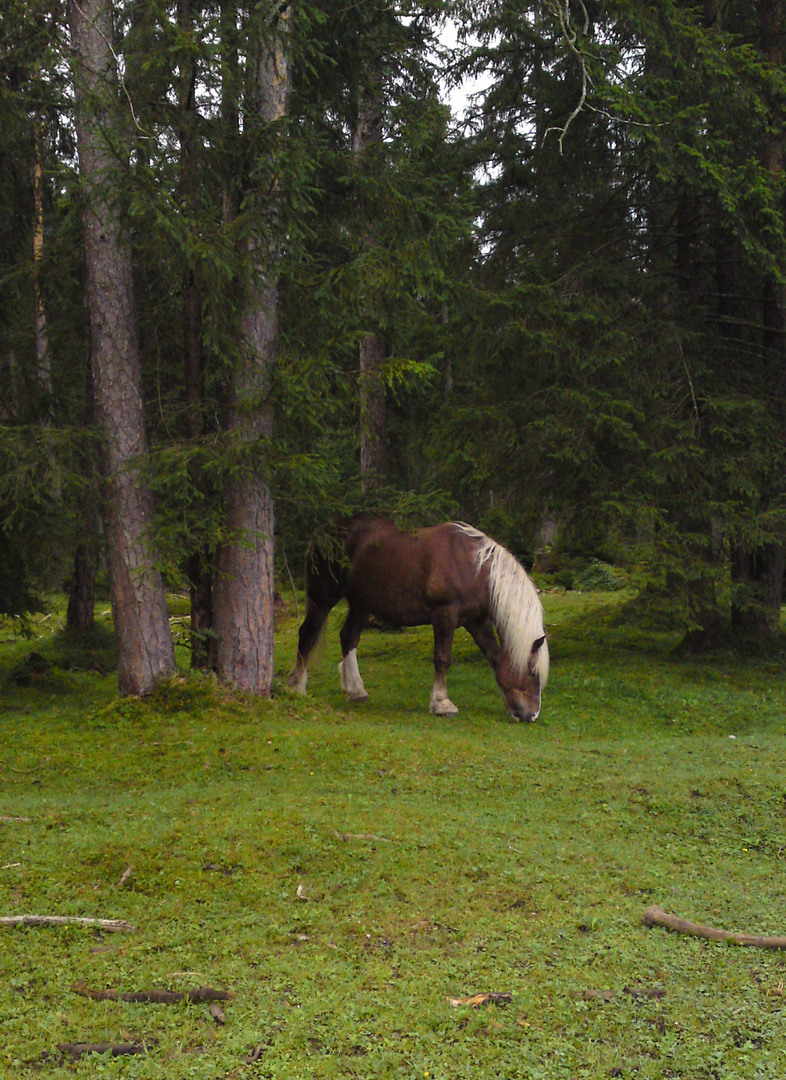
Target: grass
(346, 870)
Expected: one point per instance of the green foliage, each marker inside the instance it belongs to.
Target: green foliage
(578, 289)
(594, 575)
(345, 870)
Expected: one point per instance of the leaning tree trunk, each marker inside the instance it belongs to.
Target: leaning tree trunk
(244, 586)
(144, 639)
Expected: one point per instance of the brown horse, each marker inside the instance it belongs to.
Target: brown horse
(448, 576)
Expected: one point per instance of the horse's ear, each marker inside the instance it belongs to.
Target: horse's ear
(537, 644)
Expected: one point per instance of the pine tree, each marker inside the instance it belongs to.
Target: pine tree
(243, 595)
(144, 639)
(629, 231)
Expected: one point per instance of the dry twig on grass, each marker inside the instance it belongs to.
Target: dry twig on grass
(476, 1000)
(656, 916)
(115, 925)
(154, 997)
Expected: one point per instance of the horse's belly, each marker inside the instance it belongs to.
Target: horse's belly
(391, 603)
(387, 590)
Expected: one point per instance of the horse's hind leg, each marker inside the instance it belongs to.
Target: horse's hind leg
(351, 682)
(311, 630)
(444, 625)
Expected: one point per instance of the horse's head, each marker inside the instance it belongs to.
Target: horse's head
(521, 689)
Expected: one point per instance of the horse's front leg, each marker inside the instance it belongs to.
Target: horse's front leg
(351, 682)
(444, 623)
(485, 637)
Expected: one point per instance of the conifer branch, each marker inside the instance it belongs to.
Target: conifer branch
(570, 37)
(143, 134)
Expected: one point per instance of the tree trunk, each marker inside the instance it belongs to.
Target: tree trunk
(758, 575)
(367, 133)
(373, 413)
(199, 564)
(200, 561)
(244, 585)
(81, 598)
(144, 639)
(44, 364)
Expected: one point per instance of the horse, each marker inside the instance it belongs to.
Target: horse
(445, 576)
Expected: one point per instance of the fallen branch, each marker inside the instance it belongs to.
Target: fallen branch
(645, 992)
(76, 1050)
(154, 997)
(656, 916)
(364, 836)
(595, 995)
(114, 925)
(476, 1000)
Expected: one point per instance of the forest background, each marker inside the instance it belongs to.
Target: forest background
(255, 274)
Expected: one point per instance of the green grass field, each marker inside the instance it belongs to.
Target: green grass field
(345, 871)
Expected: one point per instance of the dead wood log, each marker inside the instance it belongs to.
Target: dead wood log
(114, 925)
(656, 916)
(155, 997)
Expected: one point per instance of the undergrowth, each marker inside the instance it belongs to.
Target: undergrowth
(349, 873)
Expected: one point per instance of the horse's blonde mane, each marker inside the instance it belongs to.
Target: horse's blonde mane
(516, 610)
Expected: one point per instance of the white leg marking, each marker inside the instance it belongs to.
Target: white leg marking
(298, 677)
(351, 682)
(439, 703)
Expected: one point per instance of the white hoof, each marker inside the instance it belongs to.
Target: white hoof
(444, 707)
(351, 682)
(296, 683)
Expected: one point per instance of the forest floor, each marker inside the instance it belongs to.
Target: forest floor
(353, 874)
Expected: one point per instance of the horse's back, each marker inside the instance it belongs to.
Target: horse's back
(402, 577)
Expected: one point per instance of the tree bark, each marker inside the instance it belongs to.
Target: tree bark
(244, 585)
(144, 639)
(656, 916)
(81, 596)
(373, 412)
(44, 363)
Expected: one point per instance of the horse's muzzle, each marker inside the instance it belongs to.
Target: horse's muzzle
(524, 716)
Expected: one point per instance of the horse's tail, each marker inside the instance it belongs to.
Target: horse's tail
(325, 566)
(318, 651)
